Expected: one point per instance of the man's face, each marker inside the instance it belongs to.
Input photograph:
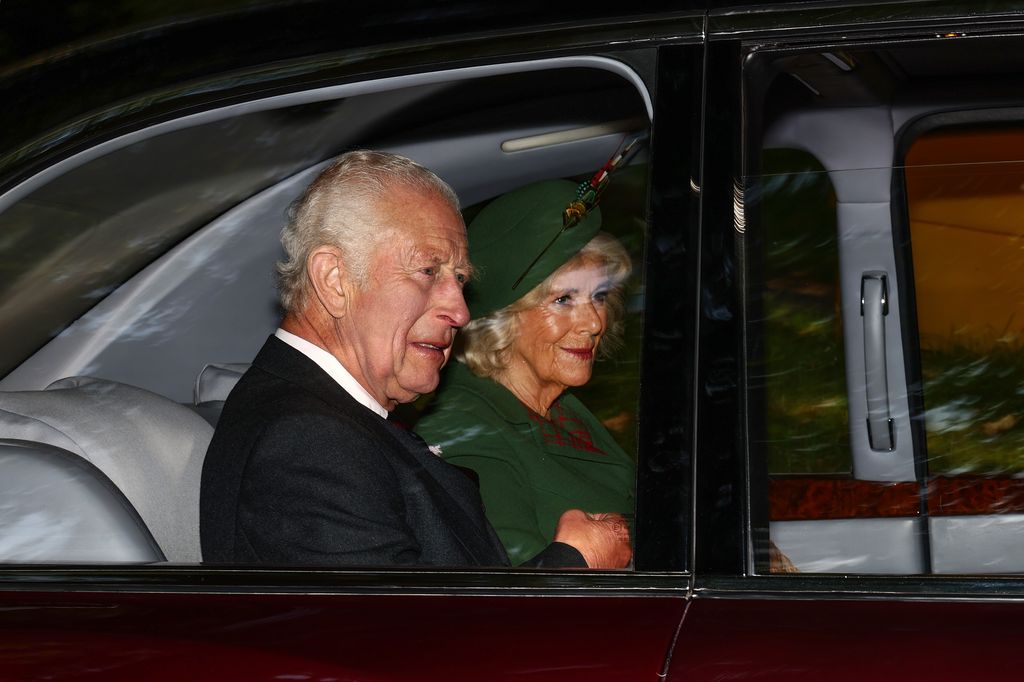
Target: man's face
(400, 327)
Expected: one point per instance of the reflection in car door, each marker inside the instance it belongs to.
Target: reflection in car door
(804, 217)
(174, 620)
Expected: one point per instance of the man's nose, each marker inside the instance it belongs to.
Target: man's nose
(453, 304)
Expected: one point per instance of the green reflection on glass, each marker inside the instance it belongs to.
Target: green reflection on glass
(802, 369)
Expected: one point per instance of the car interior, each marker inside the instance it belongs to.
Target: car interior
(881, 315)
(139, 275)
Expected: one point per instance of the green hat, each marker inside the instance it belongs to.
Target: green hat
(512, 231)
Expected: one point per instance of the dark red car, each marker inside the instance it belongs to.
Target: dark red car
(823, 375)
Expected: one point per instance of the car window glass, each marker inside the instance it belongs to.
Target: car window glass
(963, 197)
(803, 373)
(150, 269)
(963, 203)
(881, 294)
(70, 243)
(614, 390)
(826, 510)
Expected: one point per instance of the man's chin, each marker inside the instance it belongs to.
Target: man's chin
(411, 392)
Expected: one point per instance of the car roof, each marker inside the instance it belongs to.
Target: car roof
(80, 56)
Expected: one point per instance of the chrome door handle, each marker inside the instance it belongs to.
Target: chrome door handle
(874, 306)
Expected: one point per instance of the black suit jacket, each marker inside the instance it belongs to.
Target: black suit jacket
(298, 472)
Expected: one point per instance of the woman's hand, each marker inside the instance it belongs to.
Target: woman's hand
(602, 539)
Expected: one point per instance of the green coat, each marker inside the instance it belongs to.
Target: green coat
(531, 469)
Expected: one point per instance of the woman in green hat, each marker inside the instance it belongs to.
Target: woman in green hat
(546, 303)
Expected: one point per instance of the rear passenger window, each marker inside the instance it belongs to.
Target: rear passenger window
(139, 305)
(805, 429)
(965, 203)
(828, 510)
(884, 302)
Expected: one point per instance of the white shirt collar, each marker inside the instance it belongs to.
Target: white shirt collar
(334, 369)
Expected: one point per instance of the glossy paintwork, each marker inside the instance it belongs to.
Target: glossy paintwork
(664, 469)
(858, 19)
(67, 625)
(401, 636)
(720, 547)
(847, 640)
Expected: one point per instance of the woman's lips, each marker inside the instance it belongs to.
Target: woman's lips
(581, 353)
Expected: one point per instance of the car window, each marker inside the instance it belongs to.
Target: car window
(881, 293)
(828, 510)
(613, 391)
(801, 367)
(70, 243)
(140, 277)
(963, 187)
(76, 238)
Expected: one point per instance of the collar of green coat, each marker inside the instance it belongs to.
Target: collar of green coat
(504, 403)
(502, 400)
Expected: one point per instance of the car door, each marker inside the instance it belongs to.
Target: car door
(857, 512)
(139, 235)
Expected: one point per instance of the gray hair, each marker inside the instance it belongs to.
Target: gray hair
(487, 341)
(337, 210)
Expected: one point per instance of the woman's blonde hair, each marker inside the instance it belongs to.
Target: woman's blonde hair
(486, 341)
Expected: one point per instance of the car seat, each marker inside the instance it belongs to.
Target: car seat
(148, 448)
(212, 387)
(59, 507)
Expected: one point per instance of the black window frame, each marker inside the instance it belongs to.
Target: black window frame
(665, 566)
(738, 571)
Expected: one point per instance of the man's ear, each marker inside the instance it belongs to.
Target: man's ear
(329, 279)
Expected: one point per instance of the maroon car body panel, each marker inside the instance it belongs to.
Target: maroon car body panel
(847, 640)
(195, 622)
(169, 636)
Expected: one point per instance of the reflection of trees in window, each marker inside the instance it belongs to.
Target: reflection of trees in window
(965, 195)
(613, 392)
(803, 369)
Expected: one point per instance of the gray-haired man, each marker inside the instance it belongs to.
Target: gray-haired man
(304, 467)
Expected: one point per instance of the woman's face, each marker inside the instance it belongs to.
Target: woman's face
(558, 338)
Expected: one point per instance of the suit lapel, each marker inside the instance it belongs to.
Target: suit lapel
(454, 494)
(457, 497)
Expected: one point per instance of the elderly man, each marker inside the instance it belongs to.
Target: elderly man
(304, 466)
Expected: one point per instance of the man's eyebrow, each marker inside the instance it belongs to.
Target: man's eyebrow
(466, 267)
(437, 258)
